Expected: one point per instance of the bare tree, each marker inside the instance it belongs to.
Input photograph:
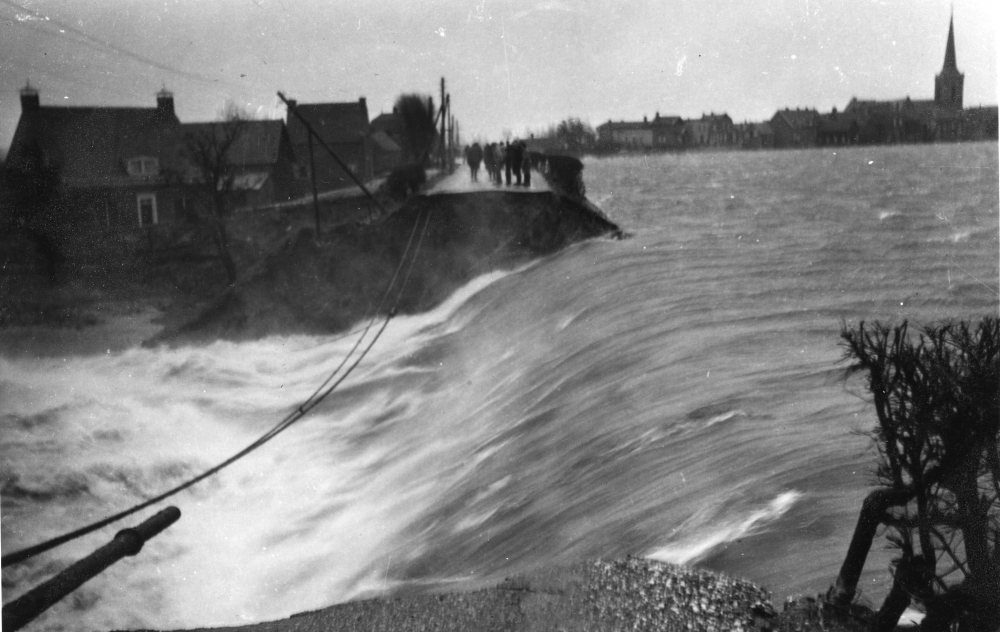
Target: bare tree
(937, 401)
(208, 147)
(419, 131)
(575, 135)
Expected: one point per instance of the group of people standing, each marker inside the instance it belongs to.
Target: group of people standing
(502, 160)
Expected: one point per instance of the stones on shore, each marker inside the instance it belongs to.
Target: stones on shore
(630, 594)
(642, 594)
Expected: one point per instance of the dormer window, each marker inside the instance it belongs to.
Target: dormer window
(143, 166)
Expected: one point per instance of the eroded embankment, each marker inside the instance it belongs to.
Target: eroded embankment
(312, 286)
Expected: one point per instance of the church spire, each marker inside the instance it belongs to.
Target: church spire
(949, 51)
(948, 85)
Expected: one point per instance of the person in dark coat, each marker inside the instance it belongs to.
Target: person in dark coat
(516, 152)
(490, 160)
(526, 164)
(474, 156)
(506, 162)
(501, 154)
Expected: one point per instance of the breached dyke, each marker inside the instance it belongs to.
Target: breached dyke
(311, 286)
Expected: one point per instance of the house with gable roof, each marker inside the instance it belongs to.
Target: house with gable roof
(626, 134)
(344, 128)
(387, 141)
(115, 165)
(711, 130)
(668, 132)
(795, 128)
(123, 168)
(260, 158)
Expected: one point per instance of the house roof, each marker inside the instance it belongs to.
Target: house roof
(716, 118)
(334, 122)
(625, 125)
(797, 119)
(667, 120)
(90, 145)
(388, 123)
(384, 143)
(906, 108)
(259, 142)
(837, 123)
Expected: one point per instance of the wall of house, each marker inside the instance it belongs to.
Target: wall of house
(634, 137)
(119, 208)
(329, 174)
(669, 137)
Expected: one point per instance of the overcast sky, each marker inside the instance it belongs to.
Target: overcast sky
(512, 65)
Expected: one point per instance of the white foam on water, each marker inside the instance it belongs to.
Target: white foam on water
(692, 547)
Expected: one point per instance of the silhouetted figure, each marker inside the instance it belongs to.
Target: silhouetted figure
(474, 156)
(490, 161)
(516, 152)
(526, 164)
(506, 162)
(501, 154)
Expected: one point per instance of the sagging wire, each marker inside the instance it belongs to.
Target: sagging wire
(322, 392)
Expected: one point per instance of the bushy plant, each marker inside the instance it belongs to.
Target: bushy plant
(419, 132)
(936, 394)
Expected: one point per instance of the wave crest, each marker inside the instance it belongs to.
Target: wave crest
(691, 548)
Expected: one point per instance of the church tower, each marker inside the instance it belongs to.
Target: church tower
(948, 84)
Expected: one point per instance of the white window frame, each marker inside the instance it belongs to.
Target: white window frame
(139, 199)
(142, 166)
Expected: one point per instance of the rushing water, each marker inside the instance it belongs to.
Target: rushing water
(678, 394)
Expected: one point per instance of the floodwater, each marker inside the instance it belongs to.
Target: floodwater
(678, 395)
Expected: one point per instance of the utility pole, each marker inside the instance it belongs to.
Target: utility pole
(449, 146)
(312, 176)
(444, 110)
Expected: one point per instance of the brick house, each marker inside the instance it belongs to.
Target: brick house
(114, 165)
(711, 130)
(668, 132)
(626, 134)
(121, 168)
(260, 157)
(386, 132)
(795, 128)
(343, 127)
(837, 128)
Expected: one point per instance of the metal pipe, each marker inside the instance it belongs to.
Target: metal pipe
(25, 608)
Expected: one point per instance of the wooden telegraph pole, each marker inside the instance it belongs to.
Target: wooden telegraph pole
(449, 150)
(444, 111)
(312, 176)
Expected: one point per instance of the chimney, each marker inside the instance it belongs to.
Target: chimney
(29, 99)
(165, 104)
(292, 104)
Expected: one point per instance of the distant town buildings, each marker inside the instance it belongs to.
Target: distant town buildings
(941, 119)
(128, 167)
